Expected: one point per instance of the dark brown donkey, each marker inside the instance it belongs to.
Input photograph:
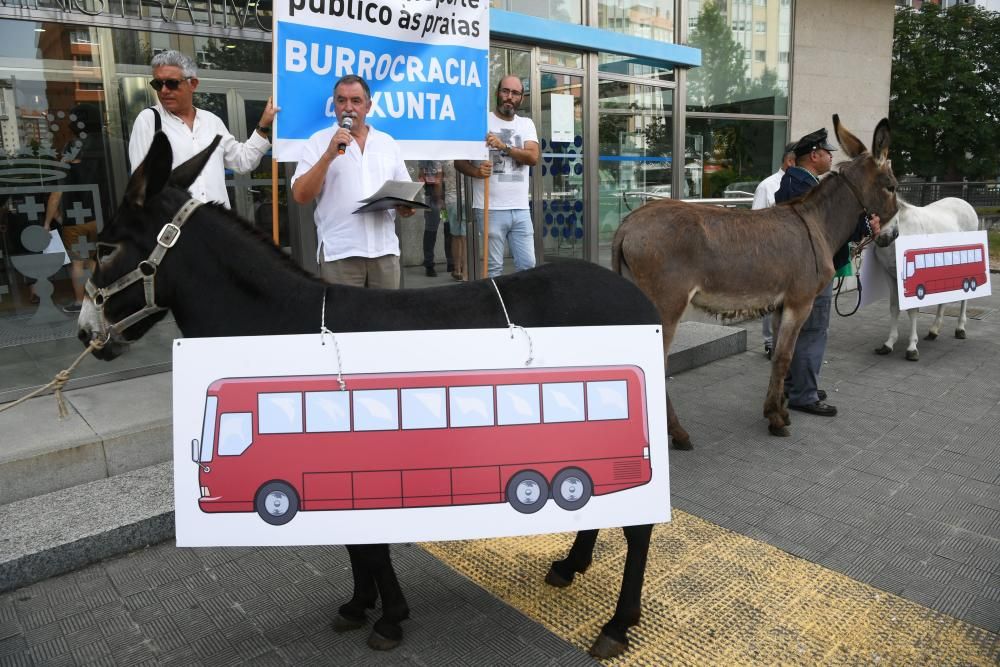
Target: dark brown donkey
(741, 263)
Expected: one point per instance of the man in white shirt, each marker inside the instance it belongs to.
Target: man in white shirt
(763, 197)
(189, 129)
(513, 144)
(338, 168)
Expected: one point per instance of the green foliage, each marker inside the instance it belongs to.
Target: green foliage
(943, 105)
(721, 78)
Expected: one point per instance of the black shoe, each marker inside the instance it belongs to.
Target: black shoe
(430, 272)
(818, 408)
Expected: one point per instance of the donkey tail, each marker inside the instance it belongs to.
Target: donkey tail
(618, 263)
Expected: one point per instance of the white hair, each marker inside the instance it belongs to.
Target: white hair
(174, 58)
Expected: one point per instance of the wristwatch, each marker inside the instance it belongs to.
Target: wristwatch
(264, 130)
(505, 150)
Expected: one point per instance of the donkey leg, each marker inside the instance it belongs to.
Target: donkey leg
(679, 437)
(387, 632)
(351, 614)
(912, 353)
(613, 639)
(890, 342)
(962, 319)
(935, 329)
(775, 410)
(578, 559)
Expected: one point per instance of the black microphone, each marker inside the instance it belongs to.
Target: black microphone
(346, 122)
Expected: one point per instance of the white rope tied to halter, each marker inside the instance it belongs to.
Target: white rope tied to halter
(511, 326)
(59, 381)
(323, 332)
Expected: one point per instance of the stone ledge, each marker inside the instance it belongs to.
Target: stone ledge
(62, 531)
(698, 343)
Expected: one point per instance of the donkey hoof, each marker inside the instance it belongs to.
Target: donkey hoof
(343, 623)
(380, 642)
(960, 334)
(553, 578)
(931, 336)
(913, 355)
(605, 647)
(683, 445)
(885, 349)
(781, 431)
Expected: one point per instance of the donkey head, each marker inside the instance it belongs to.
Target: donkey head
(118, 287)
(870, 173)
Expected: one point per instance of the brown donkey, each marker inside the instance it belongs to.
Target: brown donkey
(742, 263)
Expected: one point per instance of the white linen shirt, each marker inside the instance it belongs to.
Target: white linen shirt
(350, 178)
(210, 186)
(763, 196)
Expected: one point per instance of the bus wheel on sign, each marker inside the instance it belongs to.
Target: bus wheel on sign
(921, 291)
(277, 503)
(527, 491)
(973, 284)
(965, 285)
(571, 489)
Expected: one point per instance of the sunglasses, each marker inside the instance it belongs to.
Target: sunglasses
(511, 93)
(171, 84)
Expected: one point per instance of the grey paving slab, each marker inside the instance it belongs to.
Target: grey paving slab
(453, 622)
(901, 490)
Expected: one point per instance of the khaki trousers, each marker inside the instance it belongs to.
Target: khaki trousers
(380, 272)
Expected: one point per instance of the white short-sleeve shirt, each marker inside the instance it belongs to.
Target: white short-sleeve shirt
(352, 177)
(510, 181)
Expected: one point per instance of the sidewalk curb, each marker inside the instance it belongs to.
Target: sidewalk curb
(65, 530)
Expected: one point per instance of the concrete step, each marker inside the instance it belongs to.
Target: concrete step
(111, 429)
(62, 531)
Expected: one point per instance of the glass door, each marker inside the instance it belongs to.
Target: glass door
(560, 223)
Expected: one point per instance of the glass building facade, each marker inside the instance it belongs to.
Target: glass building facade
(73, 79)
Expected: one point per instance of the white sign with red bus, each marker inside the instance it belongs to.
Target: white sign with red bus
(942, 268)
(434, 435)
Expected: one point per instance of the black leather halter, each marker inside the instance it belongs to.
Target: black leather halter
(146, 272)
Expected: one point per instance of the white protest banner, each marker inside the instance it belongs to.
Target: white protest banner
(426, 62)
(429, 437)
(941, 268)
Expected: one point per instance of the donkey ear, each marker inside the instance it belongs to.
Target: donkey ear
(150, 177)
(880, 142)
(183, 176)
(851, 144)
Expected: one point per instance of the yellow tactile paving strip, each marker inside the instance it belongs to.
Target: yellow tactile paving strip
(713, 597)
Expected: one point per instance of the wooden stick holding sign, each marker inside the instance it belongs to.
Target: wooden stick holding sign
(486, 227)
(274, 202)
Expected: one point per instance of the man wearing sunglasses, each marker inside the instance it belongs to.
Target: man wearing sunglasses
(513, 147)
(190, 129)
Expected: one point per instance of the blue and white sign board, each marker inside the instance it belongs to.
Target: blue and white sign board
(426, 62)
(435, 435)
(941, 268)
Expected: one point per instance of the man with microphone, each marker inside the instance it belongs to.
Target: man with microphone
(339, 167)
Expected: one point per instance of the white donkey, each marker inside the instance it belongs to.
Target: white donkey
(945, 215)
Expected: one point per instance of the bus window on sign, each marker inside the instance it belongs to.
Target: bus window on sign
(235, 433)
(328, 411)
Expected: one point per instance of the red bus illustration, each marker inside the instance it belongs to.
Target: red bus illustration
(277, 445)
(933, 270)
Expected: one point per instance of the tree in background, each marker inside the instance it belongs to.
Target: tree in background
(718, 83)
(944, 105)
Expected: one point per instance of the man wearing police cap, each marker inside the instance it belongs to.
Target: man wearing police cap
(813, 158)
